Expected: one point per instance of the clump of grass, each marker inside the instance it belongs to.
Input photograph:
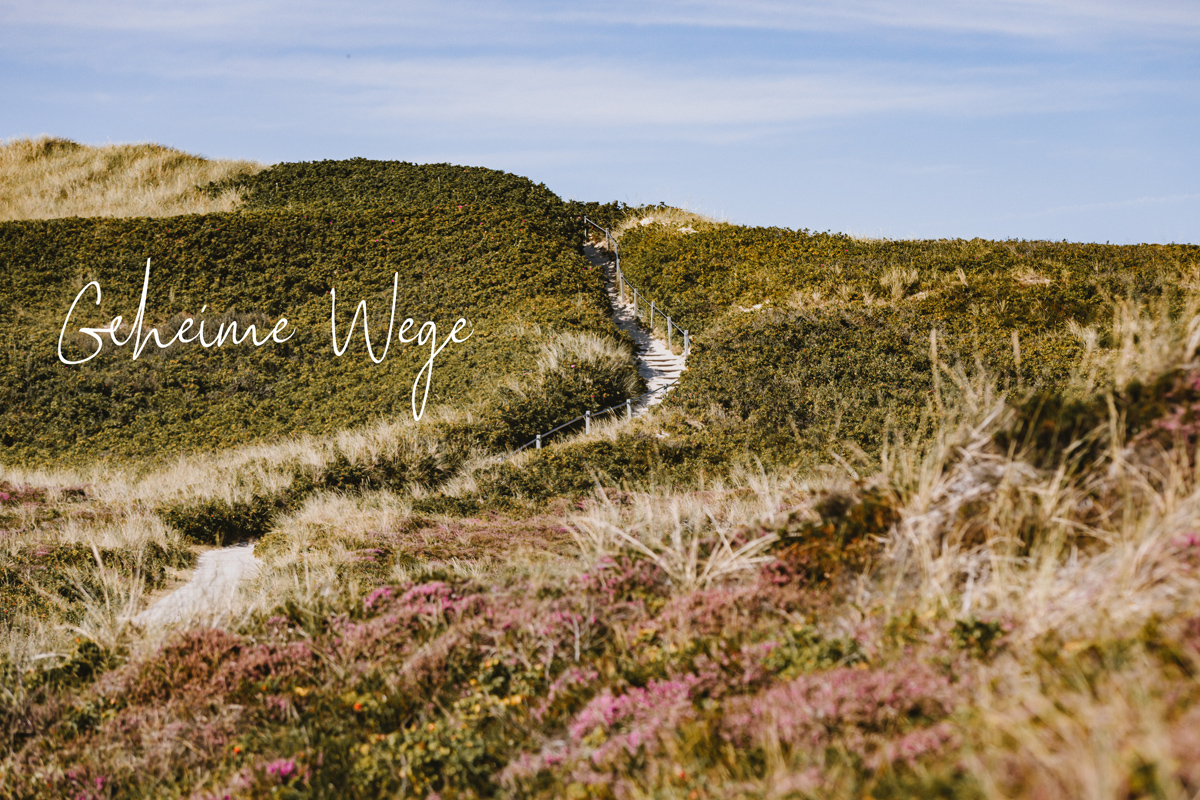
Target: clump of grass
(679, 220)
(48, 177)
(696, 539)
(900, 282)
(63, 549)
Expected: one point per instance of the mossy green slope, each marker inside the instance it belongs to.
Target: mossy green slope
(507, 261)
(819, 338)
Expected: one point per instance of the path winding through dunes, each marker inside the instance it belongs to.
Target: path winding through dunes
(657, 365)
(211, 590)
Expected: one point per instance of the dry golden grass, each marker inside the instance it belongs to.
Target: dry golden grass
(1082, 561)
(693, 536)
(47, 178)
(682, 219)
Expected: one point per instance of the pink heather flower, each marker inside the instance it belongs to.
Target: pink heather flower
(382, 593)
(1187, 541)
(865, 708)
(633, 722)
(281, 768)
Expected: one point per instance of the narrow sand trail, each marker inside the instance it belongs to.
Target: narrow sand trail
(657, 365)
(211, 591)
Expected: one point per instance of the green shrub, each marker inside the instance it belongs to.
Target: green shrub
(492, 267)
(979, 637)
(364, 183)
(845, 538)
(815, 379)
(1050, 426)
(802, 649)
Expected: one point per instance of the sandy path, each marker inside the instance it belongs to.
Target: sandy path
(657, 365)
(211, 590)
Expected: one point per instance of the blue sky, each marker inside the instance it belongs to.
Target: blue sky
(1024, 119)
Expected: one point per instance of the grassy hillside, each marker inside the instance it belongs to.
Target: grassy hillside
(919, 521)
(822, 338)
(540, 350)
(505, 266)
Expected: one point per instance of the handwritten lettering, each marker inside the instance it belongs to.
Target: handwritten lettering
(189, 331)
(142, 338)
(426, 335)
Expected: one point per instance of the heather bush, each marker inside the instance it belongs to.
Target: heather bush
(440, 686)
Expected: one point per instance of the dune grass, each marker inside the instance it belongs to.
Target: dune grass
(48, 177)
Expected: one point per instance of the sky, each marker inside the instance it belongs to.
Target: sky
(1003, 119)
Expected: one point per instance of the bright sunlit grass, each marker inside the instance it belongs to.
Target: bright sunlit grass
(47, 177)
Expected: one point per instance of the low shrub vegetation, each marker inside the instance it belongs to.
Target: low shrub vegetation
(861, 314)
(519, 284)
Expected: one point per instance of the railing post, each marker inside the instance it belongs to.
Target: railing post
(628, 409)
(587, 422)
(687, 345)
(539, 441)
(668, 333)
(651, 317)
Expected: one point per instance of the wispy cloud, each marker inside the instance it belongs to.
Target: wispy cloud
(382, 20)
(532, 93)
(892, 112)
(269, 22)
(379, 21)
(1108, 205)
(1030, 18)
